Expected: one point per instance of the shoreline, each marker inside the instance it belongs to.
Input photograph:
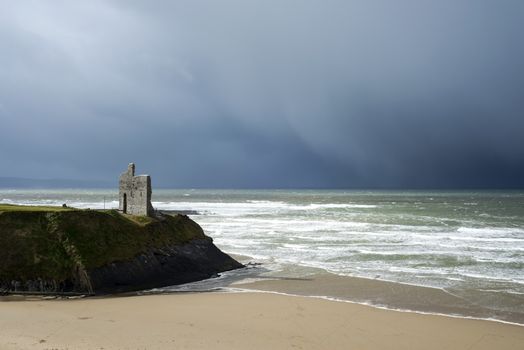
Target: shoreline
(379, 293)
(379, 307)
(385, 295)
(323, 285)
(254, 320)
(13, 298)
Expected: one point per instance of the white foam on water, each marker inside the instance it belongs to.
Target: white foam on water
(490, 231)
(485, 239)
(494, 278)
(252, 206)
(69, 203)
(315, 206)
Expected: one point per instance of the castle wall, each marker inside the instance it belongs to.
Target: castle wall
(135, 193)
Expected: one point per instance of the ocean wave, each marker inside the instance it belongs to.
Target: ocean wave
(486, 239)
(110, 204)
(314, 206)
(490, 230)
(419, 259)
(255, 206)
(493, 278)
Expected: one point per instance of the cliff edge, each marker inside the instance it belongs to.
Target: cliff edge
(63, 250)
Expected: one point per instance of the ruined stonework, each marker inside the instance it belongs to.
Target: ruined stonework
(135, 193)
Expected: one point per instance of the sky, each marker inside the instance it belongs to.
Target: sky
(265, 94)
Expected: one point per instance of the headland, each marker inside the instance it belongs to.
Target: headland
(61, 250)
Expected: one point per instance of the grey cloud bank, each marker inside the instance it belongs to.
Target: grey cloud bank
(265, 93)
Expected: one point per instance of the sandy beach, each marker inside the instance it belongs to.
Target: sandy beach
(396, 296)
(237, 321)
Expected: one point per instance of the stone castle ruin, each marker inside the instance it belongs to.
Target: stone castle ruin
(135, 193)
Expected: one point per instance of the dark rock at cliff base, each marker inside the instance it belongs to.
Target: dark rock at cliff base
(62, 250)
(193, 261)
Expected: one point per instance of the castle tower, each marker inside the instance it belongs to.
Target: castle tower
(135, 193)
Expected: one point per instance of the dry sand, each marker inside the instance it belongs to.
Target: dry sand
(237, 321)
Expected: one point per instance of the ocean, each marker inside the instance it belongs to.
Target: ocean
(468, 244)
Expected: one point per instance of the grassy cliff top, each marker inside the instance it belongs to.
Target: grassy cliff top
(12, 207)
(50, 242)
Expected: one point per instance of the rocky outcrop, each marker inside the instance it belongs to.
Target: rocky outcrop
(97, 252)
(196, 260)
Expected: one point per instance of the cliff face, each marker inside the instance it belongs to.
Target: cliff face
(87, 251)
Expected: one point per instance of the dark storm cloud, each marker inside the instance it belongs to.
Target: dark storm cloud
(265, 94)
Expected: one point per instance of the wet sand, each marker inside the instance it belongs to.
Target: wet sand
(237, 321)
(387, 294)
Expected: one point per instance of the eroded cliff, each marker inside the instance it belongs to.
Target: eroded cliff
(56, 250)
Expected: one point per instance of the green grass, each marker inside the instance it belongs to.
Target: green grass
(141, 220)
(12, 207)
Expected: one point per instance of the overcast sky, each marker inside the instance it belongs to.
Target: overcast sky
(333, 94)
